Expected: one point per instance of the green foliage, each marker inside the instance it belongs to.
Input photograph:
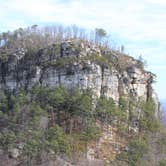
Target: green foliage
(72, 117)
(80, 103)
(104, 61)
(39, 95)
(108, 111)
(7, 139)
(3, 102)
(53, 97)
(100, 34)
(78, 143)
(55, 49)
(59, 99)
(32, 148)
(122, 128)
(148, 121)
(57, 140)
(161, 140)
(3, 56)
(137, 147)
(67, 62)
(31, 51)
(105, 108)
(123, 156)
(90, 132)
(22, 97)
(162, 162)
(62, 63)
(36, 110)
(21, 112)
(123, 104)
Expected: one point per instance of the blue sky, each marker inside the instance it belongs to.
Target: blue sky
(140, 25)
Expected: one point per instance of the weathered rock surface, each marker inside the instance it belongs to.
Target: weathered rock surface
(25, 70)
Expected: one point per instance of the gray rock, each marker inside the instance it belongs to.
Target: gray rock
(26, 71)
(14, 153)
(43, 122)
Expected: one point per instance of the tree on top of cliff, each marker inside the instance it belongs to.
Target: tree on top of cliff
(99, 35)
(36, 37)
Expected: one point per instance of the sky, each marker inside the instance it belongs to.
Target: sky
(139, 25)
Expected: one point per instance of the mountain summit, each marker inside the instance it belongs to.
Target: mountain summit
(67, 100)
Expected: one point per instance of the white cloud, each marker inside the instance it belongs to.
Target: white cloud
(157, 2)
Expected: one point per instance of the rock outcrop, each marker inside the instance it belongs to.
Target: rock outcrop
(77, 64)
(24, 70)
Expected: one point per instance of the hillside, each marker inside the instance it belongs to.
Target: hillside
(66, 100)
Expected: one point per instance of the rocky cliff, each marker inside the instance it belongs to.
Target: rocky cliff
(73, 64)
(83, 65)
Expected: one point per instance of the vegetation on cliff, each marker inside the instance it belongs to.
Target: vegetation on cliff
(40, 123)
(48, 120)
(45, 120)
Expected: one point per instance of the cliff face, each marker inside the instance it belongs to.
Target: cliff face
(24, 70)
(77, 64)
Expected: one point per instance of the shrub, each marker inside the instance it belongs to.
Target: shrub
(148, 121)
(57, 140)
(91, 132)
(3, 56)
(80, 103)
(32, 148)
(3, 102)
(7, 139)
(123, 104)
(137, 148)
(106, 108)
(162, 162)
